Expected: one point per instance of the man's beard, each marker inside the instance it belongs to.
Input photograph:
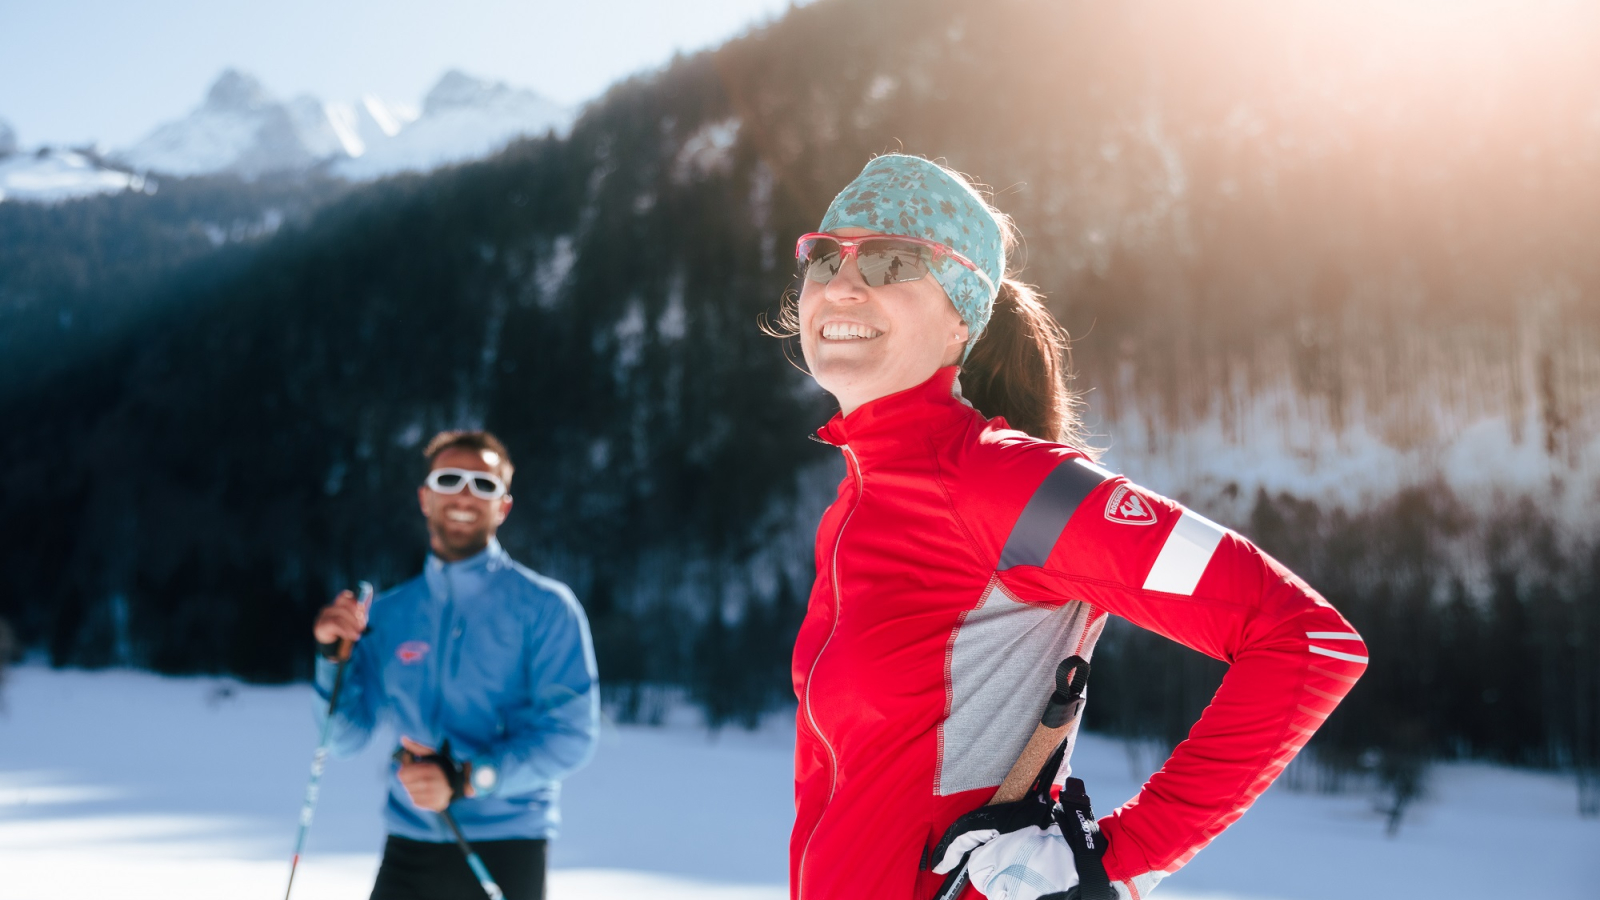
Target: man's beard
(461, 545)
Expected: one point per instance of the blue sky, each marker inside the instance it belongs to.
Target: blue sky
(74, 71)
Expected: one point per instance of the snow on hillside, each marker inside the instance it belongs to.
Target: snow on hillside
(462, 118)
(365, 124)
(128, 785)
(1271, 442)
(52, 175)
(1515, 417)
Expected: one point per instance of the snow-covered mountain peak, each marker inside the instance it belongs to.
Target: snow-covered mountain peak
(458, 90)
(238, 92)
(239, 128)
(463, 118)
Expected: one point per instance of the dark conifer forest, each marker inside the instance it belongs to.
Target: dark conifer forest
(213, 399)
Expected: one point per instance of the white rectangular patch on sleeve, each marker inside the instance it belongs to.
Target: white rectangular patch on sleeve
(1184, 556)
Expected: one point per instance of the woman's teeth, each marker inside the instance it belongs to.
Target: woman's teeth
(848, 331)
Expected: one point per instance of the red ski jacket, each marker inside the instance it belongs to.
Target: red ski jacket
(961, 561)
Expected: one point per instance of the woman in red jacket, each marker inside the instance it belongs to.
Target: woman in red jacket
(973, 545)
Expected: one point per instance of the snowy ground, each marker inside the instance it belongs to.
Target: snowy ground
(126, 785)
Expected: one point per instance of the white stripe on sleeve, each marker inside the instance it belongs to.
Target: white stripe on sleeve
(1184, 556)
(1348, 657)
(1333, 635)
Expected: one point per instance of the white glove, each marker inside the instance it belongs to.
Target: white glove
(961, 846)
(1023, 864)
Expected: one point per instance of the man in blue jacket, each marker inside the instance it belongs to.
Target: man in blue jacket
(486, 670)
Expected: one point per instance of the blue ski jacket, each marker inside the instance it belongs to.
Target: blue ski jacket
(492, 656)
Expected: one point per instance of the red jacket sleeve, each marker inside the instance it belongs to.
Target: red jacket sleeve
(1292, 658)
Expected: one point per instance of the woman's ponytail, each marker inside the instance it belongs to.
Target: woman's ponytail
(1019, 368)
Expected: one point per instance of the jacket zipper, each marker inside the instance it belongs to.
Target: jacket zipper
(833, 760)
(441, 650)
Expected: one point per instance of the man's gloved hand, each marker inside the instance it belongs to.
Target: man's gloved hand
(432, 778)
(1025, 864)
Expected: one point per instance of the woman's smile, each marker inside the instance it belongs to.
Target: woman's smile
(849, 331)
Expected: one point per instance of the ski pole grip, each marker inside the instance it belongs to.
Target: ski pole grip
(339, 651)
(1060, 711)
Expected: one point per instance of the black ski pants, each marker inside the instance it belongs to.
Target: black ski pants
(420, 870)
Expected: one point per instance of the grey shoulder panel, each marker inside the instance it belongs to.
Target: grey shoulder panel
(1000, 665)
(1049, 510)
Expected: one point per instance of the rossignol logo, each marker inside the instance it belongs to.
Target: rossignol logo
(1129, 508)
(411, 652)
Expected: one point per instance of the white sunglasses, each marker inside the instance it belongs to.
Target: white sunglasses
(484, 485)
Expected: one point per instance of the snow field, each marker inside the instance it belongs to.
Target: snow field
(130, 785)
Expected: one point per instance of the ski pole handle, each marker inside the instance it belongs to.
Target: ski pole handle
(346, 647)
(364, 591)
(1060, 714)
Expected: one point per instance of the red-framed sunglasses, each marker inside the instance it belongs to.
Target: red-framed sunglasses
(881, 258)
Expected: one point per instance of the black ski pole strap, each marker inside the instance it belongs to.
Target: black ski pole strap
(1002, 817)
(455, 774)
(1072, 676)
(1088, 844)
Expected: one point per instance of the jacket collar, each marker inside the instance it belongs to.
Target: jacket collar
(900, 423)
(466, 572)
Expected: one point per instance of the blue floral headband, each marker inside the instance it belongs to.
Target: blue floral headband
(908, 195)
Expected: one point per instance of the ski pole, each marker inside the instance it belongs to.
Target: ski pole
(479, 870)
(1047, 743)
(319, 760)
